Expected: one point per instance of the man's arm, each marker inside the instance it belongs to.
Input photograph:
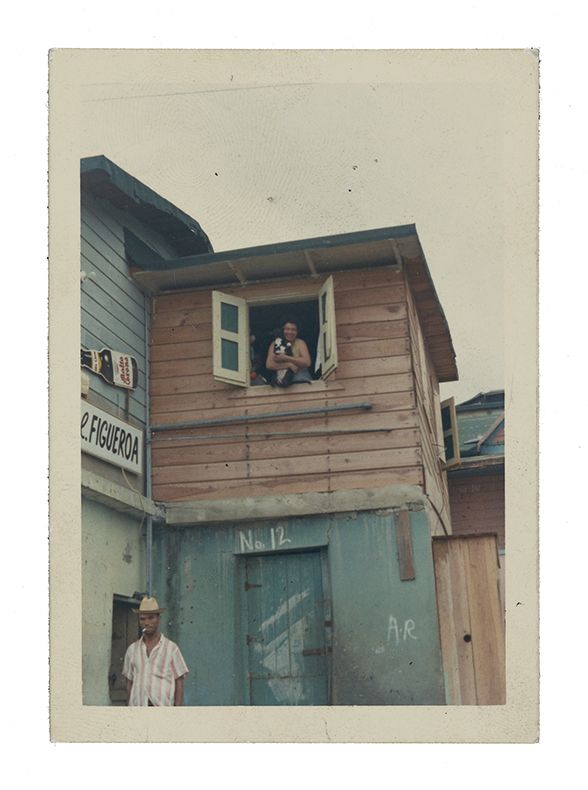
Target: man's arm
(179, 692)
(129, 687)
(303, 361)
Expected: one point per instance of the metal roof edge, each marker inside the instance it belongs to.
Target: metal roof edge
(172, 269)
(475, 404)
(285, 247)
(477, 464)
(138, 192)
(453, 375)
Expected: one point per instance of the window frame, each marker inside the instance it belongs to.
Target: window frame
(327, 338)
(239, 377)
(327, 343)
(452, 433)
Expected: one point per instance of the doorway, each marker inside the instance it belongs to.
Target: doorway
(288, 628)
(125, 630)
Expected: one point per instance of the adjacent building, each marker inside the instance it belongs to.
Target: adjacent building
(122, 221)
(476, 483)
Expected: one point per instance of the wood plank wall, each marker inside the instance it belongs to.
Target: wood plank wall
(471, 619)
(426, 388)
(112, 306)
(477, 505)
(247, 460)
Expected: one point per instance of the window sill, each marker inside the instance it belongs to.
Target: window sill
(267, 390)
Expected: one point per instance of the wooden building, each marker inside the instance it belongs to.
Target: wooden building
(299, 521)
(121, 218)
(470, 564)
(476, 483)
(289, 532)
(370, 419)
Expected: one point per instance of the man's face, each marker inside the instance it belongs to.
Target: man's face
(290, 332)
(149, 623)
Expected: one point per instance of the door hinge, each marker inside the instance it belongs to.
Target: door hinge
(249, 586)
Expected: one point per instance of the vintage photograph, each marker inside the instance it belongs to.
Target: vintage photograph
(297, 374)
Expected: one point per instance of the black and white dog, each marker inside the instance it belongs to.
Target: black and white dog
(282, 378)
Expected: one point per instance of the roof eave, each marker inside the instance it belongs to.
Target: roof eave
(104, 179)
(320, 256)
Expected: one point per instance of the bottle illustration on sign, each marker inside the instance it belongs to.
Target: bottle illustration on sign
(118, 369)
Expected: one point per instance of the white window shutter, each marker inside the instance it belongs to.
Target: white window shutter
(450, 432)
(328, 331)
(230, 339)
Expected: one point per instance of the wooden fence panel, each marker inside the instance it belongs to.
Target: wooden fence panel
(471, 622)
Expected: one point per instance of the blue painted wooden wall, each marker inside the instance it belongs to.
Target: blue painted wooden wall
(382, 632)
(113, 308)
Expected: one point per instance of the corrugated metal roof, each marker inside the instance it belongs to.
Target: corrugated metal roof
(494, 399)
(105, 179)
(480, 423)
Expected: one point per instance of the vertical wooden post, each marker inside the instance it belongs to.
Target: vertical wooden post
(404, 546)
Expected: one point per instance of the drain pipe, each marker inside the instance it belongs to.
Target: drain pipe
(148, 486)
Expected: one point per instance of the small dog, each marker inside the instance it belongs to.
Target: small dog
(282, 378)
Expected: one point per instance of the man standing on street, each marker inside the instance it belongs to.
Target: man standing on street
(154, 666)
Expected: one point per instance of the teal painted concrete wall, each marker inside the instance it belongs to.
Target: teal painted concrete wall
(384, 633)
(113, 561)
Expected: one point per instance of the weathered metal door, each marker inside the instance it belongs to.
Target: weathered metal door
(288, 629)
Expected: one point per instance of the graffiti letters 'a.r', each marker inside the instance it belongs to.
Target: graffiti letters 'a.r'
(400, 632)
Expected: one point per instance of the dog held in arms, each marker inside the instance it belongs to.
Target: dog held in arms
(282, 378)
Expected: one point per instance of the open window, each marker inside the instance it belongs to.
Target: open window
(450, 432)
(243, 332)
(230, 339)
(328, 339)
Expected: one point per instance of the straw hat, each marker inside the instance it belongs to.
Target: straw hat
(149, 606)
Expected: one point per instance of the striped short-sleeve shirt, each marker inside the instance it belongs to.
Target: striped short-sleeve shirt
(153, 676)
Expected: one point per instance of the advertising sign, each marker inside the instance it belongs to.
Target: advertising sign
(111, 439)
(116, 368)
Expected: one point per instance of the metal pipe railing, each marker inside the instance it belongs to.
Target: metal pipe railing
(180, 426)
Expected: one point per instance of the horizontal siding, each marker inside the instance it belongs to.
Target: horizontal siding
(280, 486)
(188, 392)
(348, 369)
(429, 439)
(208, 407)
(100, 322)
(380, 448)
(258, 446)
(111, 220)
(109, 256)
(336, 460)
(477, 505)
(112, 290)
(112, 307)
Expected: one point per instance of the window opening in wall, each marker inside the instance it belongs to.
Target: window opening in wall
(266, 321)
(242, 333)
(450, 433)
(125, 629)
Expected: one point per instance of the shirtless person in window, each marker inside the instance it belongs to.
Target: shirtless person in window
(298, 363)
